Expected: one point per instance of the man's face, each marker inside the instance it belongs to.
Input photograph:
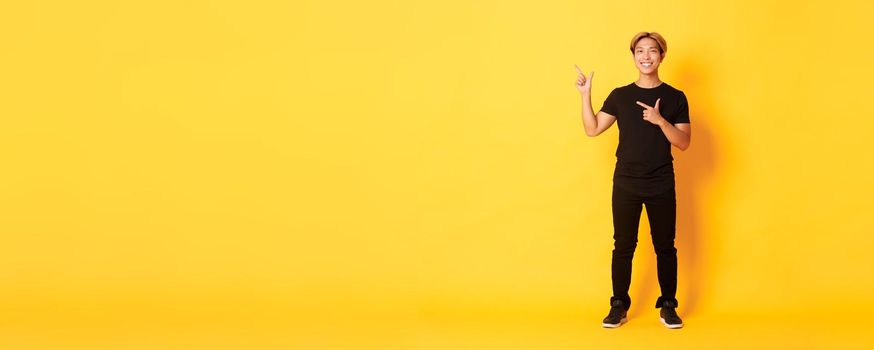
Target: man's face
(646, 55)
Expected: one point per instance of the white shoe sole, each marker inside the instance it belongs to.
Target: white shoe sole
(672, 326)
(611, 325)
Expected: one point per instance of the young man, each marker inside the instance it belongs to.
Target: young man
(652, 116)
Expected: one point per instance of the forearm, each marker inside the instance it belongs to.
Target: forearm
(675, 136)
(590, 123)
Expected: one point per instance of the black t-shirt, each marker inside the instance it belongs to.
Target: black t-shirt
(644, 164)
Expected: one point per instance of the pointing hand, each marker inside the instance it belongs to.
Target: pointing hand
(584, 84)
(651, 114)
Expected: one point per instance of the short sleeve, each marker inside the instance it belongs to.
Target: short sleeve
(610, 104)
(683, 110)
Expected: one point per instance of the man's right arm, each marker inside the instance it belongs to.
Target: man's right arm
(594, 124)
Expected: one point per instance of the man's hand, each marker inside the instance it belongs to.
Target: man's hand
(584, 84)
(651, 114)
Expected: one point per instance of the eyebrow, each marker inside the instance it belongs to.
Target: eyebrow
(645, 47)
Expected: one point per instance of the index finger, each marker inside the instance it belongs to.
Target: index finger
(643, 104)
(578, 69)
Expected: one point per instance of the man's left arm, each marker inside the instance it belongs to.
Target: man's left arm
(679, 135)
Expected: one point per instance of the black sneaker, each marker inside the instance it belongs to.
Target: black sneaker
(668, 315)
(618, 315)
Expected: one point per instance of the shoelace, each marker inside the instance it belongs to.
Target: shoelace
(616, 311)
(671, 313)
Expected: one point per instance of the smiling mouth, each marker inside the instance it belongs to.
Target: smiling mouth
(646, 64)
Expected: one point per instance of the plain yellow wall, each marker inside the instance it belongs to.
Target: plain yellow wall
(199, 160)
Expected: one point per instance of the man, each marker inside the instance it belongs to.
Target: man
(652, 116)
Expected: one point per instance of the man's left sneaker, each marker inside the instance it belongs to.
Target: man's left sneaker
(668, 315)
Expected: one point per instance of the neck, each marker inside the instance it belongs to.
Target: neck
(648, 80)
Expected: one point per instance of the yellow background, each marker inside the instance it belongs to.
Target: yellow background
(405, 174)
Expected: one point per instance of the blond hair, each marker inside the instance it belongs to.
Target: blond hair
(663, 45)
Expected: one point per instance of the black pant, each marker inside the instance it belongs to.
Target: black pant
(661, 209)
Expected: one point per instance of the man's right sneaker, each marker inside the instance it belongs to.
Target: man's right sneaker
(617, 316)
